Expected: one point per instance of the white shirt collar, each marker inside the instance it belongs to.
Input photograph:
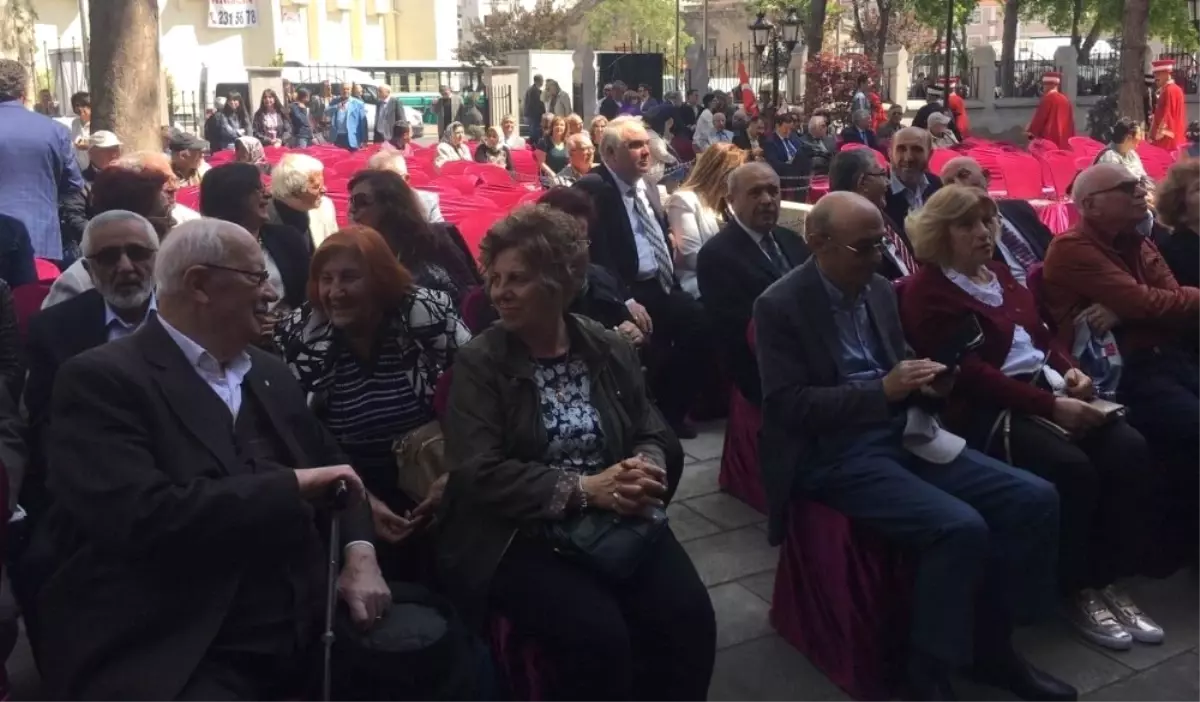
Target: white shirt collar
(203, 361)
(898, 186)
(757, 236)
(624, 187)
(111, 317)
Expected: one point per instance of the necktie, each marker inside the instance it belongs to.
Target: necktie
(771, 248)
(665, 270)
(791, 150)
(901, 250)
(1017, 246)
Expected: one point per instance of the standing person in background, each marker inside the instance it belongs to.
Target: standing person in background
(961, 123)
(47, 105)
(81, 127)
(347, 121)
(557, 101)
(470, 116)
(317, 110)
(533, 108)
(862, 87)
(302, 120)
(446, 108)
(39, 170)
(688, 113)
(271, 126)
(385, 115)
(646, 99)
(933, 103)
(1170, 114)
(610, 106)
(1055, 116)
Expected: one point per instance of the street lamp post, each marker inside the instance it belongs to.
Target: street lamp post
(764, 33)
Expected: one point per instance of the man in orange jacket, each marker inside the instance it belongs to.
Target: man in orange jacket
(1170, 116)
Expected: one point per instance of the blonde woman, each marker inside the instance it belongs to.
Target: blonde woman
(696, 210)
(574, 124)
(596, 131)
(1020, 397)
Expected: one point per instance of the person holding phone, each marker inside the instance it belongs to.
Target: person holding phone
(1020, 397)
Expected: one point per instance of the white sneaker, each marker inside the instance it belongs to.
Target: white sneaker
(1139, 626)
(1094, 622)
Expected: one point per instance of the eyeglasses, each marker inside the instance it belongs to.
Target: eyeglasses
(866, 248)
(1129, 187)
(111, 255)
(363, 200)
(259, 277)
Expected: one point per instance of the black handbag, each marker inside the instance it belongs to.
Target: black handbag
(609, 544)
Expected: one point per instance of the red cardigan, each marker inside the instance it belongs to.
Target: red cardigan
(932, 308)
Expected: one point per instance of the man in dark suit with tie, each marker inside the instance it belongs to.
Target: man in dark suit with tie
(741, 261)
(631, 240)
(860, 131)
(189, 483)
(911, 182)
(857, 171)
(1023, 239)
(789, 158)
(687, 114)
(840, 428)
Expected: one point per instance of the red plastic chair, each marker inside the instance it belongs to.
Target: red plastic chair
(1040, 146)
(453, 168)
(347, 168)
(525, 164)
(490, 174)
(46, 271)
(1155, 160)
(1085, 146)
(507, 199)
(740, 475)
(27, 301)
(1022, 176)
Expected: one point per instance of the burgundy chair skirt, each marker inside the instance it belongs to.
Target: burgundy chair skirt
(842, 597)
(519, 661)
(740, 475)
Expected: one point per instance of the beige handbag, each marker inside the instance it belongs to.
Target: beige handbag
(420, 459)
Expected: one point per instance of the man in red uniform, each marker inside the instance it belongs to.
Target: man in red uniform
(1055, 116)
(1170, 116)
(958, 109)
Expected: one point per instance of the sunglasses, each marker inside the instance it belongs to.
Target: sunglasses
(259, 277)
(111, 255)
(866, 248)
(1129, 187)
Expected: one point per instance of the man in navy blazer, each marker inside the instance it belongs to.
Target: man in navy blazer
(789, 158)
(911, 183)
(860, 131)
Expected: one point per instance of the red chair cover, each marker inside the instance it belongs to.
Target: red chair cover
(472, 308)
(1085, 146)
(740, 474)
(189, 197)
(490, 174)
(454, 168)
(47, 272)
(525, 164)
(842, 597)
(1022, 176)
(1062, 170)
(939, 158)
(520, 662)
(466, 184)
(473, 228)
(27, 301)
(818, 187)
(1059, 216)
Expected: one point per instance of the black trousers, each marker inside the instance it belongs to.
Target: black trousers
(652, 637)
(244, 676)
(1110, 493)
(680, 344)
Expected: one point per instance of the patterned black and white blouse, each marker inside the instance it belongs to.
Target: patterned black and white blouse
(575, 435)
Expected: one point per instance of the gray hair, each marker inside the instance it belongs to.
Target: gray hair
(859, 114)
(672, 96)
(138, 161)
(203, 241)
(104, 219)
(847, 169)
(614, 133)
(388, 160)
(939, 118)
(578, 142)
(736, 174)
(289, 177)
(815, 121)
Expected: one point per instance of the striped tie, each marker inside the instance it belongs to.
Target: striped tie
(665, 271)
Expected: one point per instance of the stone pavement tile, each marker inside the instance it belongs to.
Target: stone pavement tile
(687, 524)
(722, 558)
(769, 669)
(725, 510)
(709, 443)
(1172, 602)
(1052, 647)
(762, 584)
(741, 616)
(1173, 679)
(698, 479)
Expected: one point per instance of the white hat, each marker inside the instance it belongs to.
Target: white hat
(925, 438)
(103, 140)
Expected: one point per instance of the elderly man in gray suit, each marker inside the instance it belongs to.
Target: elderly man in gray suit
(841, 399)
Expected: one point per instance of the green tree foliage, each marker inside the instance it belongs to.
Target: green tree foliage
(514, 29)
(932, 13)
(648, 23)
(1087, 21)
(879, 24)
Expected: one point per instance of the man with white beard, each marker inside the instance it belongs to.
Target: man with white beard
(118, 249)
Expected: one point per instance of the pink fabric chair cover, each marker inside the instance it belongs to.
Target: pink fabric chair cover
(1061, 168)
(46, 271)
(817, 189)
(27, 301)
(453, 168)
(474, 228)
(519, 661)
(1059, 216)
(489, 174)
(740, 474)
(1085, 146)
(189, 197)
(1022, 176)
(842, 597)
(939, 158)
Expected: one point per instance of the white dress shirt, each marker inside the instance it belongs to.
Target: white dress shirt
(647, 266)
(225, 380)
(119, 328)
(694, 223)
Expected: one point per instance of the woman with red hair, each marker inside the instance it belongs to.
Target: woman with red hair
(368, 348)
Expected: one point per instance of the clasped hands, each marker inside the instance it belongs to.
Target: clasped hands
(628, 487)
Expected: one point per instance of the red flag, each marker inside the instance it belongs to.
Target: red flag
(748, 102)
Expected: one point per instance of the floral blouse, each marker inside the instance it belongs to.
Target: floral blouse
(575, 435)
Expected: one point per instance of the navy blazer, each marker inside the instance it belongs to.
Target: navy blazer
(854, 135)
(801, 166)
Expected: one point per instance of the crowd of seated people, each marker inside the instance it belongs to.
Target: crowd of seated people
(207, 398)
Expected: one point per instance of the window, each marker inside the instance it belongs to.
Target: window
(976, 16)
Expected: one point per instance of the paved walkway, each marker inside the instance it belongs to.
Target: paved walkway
(727, 542)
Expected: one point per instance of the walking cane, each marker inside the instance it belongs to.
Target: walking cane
(339, 497)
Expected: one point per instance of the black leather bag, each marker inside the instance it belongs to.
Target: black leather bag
(609, 544)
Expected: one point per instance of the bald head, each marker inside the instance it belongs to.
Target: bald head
(1098, 177)
(844, 231)
(754, 195)
(1110, 199)
(911, 147)
(964, 170)
(838, 215)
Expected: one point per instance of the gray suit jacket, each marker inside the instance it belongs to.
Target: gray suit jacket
(803, 396)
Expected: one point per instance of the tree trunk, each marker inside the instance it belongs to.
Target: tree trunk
(1076, 15)
(124, 72)
(1083, 56)
(885, 22)
(1133, 59)
(1008, 48)
(815, 31)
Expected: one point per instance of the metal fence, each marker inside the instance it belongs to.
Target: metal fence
(1100, 74)
(60, 70)
(1026, 78)
(928, 69)
(186, 111)
(1187, 68)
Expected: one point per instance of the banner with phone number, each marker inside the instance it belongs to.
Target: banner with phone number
(232, 14)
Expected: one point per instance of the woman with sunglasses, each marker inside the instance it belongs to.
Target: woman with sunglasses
(1020, 397)
(435, 254)
(234, 192)
(858, 171)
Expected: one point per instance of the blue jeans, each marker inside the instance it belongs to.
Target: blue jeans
(979, 527)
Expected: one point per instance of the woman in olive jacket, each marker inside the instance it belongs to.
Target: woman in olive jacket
(548, 416)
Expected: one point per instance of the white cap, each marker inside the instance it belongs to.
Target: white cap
(103, 140)
(925, 438)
